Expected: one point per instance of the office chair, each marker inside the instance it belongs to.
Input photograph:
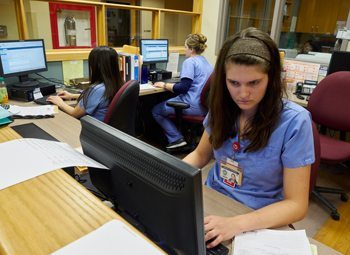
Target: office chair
(328, 106)
(194, 126)
(121, 112)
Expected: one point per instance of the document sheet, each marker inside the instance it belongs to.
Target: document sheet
(114, 237)
(27, 158)
(272, 242)
(40, 110)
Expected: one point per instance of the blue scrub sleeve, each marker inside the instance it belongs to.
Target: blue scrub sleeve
(183, 86)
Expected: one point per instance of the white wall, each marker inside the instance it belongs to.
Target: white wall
(209, 27)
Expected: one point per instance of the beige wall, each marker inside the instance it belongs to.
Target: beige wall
(209, 27)
(8, 19)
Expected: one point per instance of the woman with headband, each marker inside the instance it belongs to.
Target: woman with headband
(254, 133)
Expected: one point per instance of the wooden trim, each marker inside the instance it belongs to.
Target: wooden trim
(21, 20)
(197, 19)
(83, 54)
(156, 24)
(101, 25)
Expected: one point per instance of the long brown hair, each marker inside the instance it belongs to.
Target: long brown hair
(224, 112)
(103, 67)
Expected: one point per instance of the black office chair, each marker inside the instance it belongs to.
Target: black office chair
(190, 125)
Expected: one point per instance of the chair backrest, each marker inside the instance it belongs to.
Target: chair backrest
(205, 92)
(329, 102)
(121, 112)
(317, 150)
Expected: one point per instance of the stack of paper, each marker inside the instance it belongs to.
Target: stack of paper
(272, 242)
(40, 111)
(114, 237)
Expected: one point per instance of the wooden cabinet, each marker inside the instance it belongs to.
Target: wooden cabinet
(320, 16)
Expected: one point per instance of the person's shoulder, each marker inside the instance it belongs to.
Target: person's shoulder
(291, 110)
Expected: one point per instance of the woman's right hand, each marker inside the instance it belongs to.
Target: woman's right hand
(65, 95)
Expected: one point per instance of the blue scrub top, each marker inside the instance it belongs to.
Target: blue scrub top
(290, 146)
(97, 104)
(198, 69)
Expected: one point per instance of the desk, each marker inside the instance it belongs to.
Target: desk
(45, 213)
(218, 204)
(293, 98)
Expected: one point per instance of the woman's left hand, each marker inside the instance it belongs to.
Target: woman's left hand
(159, 84)
(219, 229)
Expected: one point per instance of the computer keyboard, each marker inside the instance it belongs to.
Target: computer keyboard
(42, 100)
(172, 80)
(218, 250)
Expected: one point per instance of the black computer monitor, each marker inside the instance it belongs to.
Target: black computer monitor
(22, 57)
(156, 192)
(340, 61)
(154, 51)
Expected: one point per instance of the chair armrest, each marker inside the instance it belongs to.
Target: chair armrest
(178, 105)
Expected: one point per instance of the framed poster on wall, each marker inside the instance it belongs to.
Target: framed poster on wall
(72, 26)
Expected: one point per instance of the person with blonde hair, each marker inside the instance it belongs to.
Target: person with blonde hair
(194, 74)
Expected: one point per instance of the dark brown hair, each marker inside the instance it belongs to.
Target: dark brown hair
(224, 112)
(103, 67)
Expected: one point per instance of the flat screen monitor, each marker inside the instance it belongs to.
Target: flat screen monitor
(156, 192)
(22, 57)
(340, 61)
(154, 50)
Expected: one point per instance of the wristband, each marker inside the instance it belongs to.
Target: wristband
(164, 86)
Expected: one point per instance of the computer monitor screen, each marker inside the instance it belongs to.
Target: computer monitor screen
(154, 50)
(20, 58)
(340, 61)
(156, 192)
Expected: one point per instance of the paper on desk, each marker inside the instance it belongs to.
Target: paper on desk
(27, 158)
(40, 110)
(114, 237)
(147, 86)
(272, 242)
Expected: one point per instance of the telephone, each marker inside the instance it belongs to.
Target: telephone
(305, 88)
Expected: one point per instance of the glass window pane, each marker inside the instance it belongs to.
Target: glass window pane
(38, 21)
(8, 22)
(175, 27)
(61, 25)
(118, 27)
(308, 25)
(250, 13)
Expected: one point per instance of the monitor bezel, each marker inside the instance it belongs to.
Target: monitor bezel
(332, 64)
(24, 72)
(153, 62)
(94, 146)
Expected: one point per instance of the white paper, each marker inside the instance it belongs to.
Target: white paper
(27, 158)
(39, 110)
(272, 242)
(114, 237)
(173, 63)
(147, 86)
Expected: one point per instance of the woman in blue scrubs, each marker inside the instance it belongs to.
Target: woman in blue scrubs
(254, 133)
(194, 73)
(105, 81)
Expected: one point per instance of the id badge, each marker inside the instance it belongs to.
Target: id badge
(231, 172)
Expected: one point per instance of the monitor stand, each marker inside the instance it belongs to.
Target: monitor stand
(25, 82)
